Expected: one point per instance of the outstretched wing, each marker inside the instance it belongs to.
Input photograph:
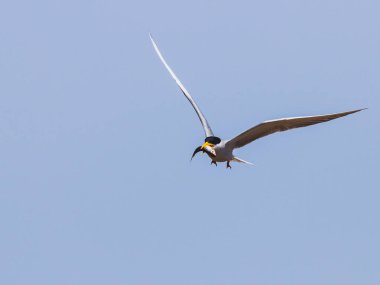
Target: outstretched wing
(280, 125)
(201, 117)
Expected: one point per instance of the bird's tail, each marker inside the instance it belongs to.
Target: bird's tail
(242, 161)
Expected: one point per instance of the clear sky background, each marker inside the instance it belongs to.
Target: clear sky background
(96, 186)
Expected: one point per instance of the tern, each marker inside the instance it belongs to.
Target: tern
(222, 150)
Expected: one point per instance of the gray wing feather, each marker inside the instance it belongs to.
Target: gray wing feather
(201, 117)
(280, 125)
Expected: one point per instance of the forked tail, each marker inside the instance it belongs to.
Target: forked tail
(242, 161)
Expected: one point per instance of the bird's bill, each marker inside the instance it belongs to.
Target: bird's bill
(206, 144)
(208, 148)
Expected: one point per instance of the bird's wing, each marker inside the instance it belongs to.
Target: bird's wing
(201, 117)
(280, 125)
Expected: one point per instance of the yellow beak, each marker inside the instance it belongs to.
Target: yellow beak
(207, 144)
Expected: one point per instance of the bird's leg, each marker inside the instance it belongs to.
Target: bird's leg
(214, 162)
(228, 165)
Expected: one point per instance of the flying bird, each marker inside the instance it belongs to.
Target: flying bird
(222, 150)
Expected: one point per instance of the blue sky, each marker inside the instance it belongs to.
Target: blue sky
(96, 186)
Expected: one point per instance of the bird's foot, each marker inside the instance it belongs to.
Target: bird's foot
(228, 165)
(214, 162)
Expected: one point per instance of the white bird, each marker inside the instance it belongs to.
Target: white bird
(222, 150)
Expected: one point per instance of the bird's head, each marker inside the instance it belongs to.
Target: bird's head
(208, 146)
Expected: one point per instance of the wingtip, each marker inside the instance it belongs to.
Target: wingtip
(355, 111)
(358, 110)
(152, 39)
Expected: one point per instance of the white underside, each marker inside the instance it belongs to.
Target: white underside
(224, 154)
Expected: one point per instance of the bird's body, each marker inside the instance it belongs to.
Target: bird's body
(222, 153)
(222, 150)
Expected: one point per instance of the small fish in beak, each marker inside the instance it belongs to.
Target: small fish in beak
(205, 148)
(198, 149)
(209, 150)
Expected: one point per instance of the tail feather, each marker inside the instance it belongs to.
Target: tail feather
(242, 161)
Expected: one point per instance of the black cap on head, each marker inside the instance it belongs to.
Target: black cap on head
(213, 140)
